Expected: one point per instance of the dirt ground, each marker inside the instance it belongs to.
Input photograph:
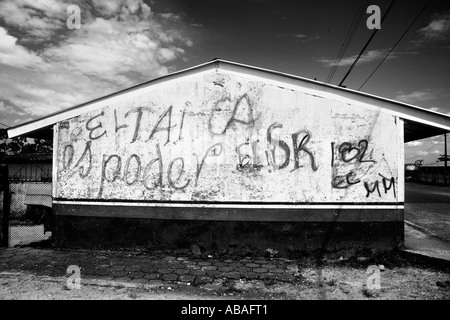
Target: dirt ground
(401, 278)
(25, 234)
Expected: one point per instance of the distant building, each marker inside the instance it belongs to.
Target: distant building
(28, 167)
(24, 171)
(430, 173)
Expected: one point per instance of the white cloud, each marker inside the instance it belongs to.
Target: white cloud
(39, 18)
(107, 49)
(120, 44)
(414, 143)
(8, 109)
(369, 56)
(304, 38)
(417, 96)
(437, 29)
(14, 55)
(108, 8)
(171, 16)
(122, 9)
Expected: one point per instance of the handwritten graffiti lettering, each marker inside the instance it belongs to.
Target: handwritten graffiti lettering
(297, 148)
(391, 184)
(280, 144)
(171, 149)
(138, 112)
(86, 153)
(248, 161)
(137, 171)
(92, 129)
(95, 124)
(370, 188)
(118, 127)
(213, 151)
(116, 172)
(243, 159)
(363, 144)
(353, 157)
(156, 129)
(112, 170)
(242, 109)
(188, 104)
(344, 181)
(351, 176)
(67, 156)
(169, 175)
(348, 151)
(302, 147)
(160, 171)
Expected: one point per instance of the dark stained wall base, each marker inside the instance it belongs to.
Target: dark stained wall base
(253, 236)
(234, 212)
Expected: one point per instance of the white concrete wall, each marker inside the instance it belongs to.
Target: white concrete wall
(223, 146)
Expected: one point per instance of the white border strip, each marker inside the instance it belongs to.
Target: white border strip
(231, 205)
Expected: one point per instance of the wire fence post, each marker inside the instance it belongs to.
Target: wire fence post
(445, 159)
(5, 208)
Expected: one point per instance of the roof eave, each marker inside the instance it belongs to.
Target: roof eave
(435, 121)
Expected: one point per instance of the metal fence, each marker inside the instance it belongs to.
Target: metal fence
(428, 174)
(30, 217)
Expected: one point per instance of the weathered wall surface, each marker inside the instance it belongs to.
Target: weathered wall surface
(220, 137)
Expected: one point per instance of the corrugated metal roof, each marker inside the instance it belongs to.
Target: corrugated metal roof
(419, 122)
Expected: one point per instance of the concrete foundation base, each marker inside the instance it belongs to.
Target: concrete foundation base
(250, 236)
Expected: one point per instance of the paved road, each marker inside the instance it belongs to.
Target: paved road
(421, 193)
(429, 208)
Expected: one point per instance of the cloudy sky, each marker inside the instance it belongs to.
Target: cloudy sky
(46, 67)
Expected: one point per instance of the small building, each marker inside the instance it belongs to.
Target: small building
(435, 173)
(29, 166)
(30, 182)
(227, 155)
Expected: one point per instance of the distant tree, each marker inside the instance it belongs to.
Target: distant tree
(20, 145)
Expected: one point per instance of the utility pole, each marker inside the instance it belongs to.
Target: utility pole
(445, 159)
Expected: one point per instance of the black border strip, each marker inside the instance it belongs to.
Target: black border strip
(268, 214)
(233, 202)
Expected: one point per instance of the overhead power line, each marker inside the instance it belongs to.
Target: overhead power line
(400, 39)
(367, 43)
(347, 40)
(4, 125)
(433, 146)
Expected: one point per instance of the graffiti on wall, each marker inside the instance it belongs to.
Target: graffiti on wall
(189, 147)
